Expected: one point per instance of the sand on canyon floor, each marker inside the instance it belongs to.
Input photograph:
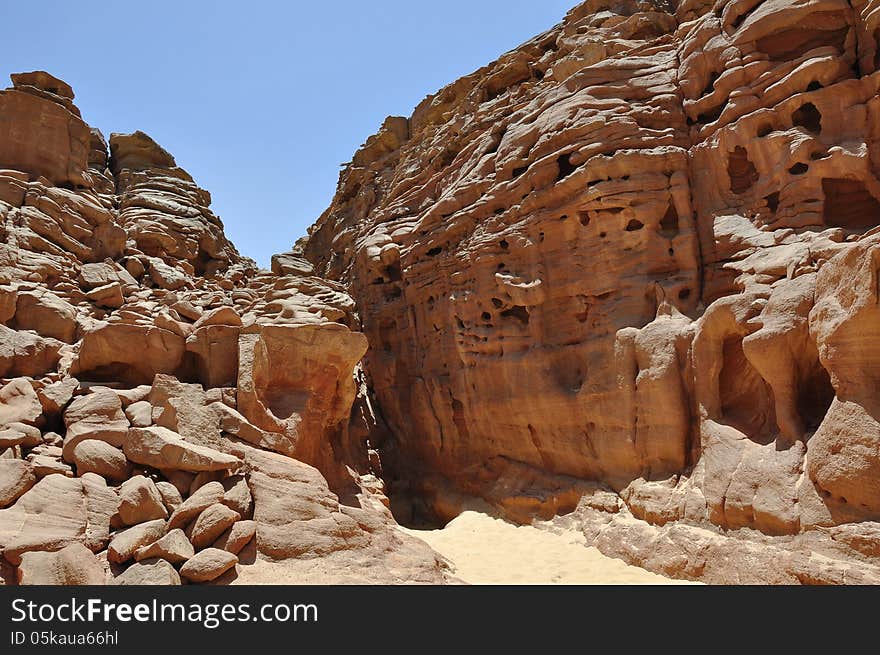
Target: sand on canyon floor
(487, 550)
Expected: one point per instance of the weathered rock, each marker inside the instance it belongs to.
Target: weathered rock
(46, 314)
(238, 496)
(124, 544)
(212, 523)
(174, 547)
(170, 495)
(16, 477)
(208, 495)
(140, 414)
(140, 501)
(163, 449)
(153, 572)
(237, 537)
(92, 455)
(19, 403)
(58, 511)
(208, 565)
(96, 415)
(56, 396)
(72, 565)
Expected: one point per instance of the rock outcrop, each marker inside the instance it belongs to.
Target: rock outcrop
(144, 364)
(638, 251)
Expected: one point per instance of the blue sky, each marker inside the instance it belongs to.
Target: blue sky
(262, 101)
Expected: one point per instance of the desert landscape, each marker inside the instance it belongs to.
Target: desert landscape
(604, 311)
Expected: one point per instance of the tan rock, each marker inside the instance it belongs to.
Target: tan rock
(236, 537)
(92, 455)
(108, 295)
(238, 496)
(16, 477)
(163, 449)
(124, 544)
(170, 495)
(46, 314)
(58, 511)
(72, 565)
(140, 414)
(208, 495)
(19, 403)
(140, 501)
(152, 572)
(211, 523)
(174, 547)
(208, 565)
(56, 396)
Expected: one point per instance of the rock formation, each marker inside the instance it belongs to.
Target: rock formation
(155, 385)
(630, 269)
(622, 280)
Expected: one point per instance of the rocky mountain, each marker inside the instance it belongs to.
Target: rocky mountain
(168, 411)
(628, 273)
(622, 280)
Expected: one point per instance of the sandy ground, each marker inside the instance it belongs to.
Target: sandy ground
(486, 550)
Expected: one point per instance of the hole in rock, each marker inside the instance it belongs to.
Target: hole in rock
(519, 171)
(486, 316)
(848, 204)
(433, 252)
(710, 85)
(814, 86)
(584, 218)
(669, 222)
(566, 168)
(497, 303)
(815, 395)
(790, 44)
(746, 400)
(765, 129)
(519, 313)
(711, 115)
(741, 170)
(808, 117)
(799, 169)
(602, 235)
(504, 245)
(634, 225)
(773, 201)
(392, 272)
(684, 294)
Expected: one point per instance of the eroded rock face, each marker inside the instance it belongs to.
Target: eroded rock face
(638, 250)
(141, 357)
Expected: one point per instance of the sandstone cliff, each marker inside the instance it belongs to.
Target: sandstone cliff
(167, 410)
(630, 268)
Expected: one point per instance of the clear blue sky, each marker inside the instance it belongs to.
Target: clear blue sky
(262, 101)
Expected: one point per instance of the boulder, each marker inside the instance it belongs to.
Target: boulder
(174, 547)
(19, 403)
(163, 449)
(140, 501)
(72, 565)
(208, 565)
(149, 572)
(58, 511)
(16, 477)
(92, 455)
(211, 523)
(124, 544)
(237, 537)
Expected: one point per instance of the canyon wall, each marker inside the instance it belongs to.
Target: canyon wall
(168, 412)
(639, 253)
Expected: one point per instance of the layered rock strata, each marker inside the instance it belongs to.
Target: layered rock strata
(638, 251)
